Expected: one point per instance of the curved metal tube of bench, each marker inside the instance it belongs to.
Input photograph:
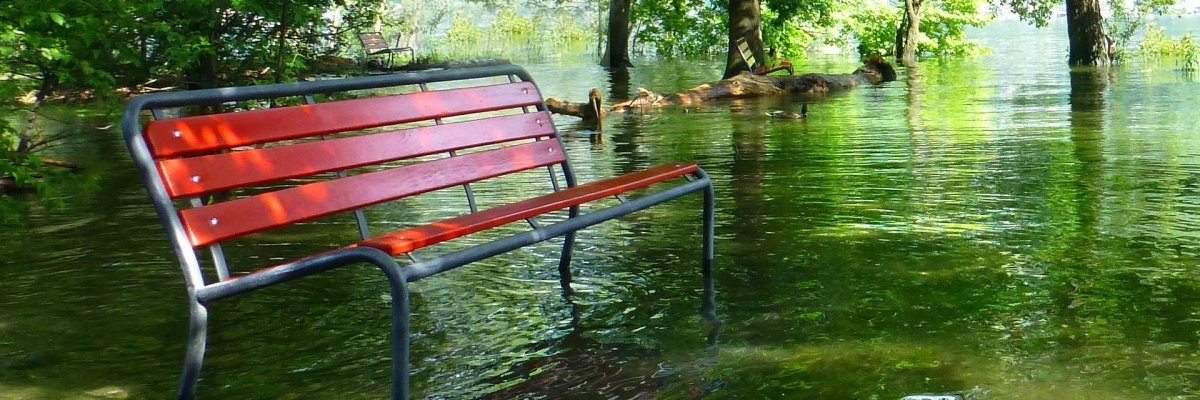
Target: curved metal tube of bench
(397, 280)
(459, 258)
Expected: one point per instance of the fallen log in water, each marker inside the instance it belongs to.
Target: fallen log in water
(875, 71)
(590, 111)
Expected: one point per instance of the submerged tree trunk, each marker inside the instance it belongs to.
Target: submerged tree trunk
(617, 52)
(739, 86)
(910, 30)
(1085, 31)
(745, 24)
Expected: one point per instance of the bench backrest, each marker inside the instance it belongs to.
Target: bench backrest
(187, 157)
(374, 41)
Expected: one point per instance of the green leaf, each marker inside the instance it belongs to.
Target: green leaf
(50, 54)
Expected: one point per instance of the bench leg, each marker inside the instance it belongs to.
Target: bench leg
(708, 306)
(197, 336)
(564, 261)
(400, 335)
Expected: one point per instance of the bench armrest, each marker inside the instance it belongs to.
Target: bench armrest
(299, 269)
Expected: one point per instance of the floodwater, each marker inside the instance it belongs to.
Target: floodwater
(995, 228)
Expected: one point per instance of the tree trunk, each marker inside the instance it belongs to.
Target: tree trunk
(599, 29)
(49, 82)
(617, 52)
(281, 52)
(901, 36)
(377, 24)
(1085, 31)
(203, 73)
(745, 23)
(912, 15)
(740, 86)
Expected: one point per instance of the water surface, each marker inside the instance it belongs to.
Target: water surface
(1000, 227)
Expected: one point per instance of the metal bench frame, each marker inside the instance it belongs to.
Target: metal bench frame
(201, 293)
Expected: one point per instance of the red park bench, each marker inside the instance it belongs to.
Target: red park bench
(213, 178)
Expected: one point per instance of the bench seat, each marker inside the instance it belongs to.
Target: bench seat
(412, 239)
(408, 240)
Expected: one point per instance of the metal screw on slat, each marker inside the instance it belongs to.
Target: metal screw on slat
(196, 178)
(212, 221)
(550, 150)
(176, 133)
(539, 122)
(525, 90)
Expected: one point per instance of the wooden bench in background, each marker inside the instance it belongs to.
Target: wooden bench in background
(355, 153)
(374, 44)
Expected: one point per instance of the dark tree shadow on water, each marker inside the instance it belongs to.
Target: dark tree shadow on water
(618, 84)
(1088, 86)
(1077, 261)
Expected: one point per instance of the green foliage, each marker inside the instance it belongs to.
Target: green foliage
(567, 30)
(8, 135)
(875, 29)
(679, 28)
(1158, 45)
(463, 32)
(944, 24)
(814, 12)
(1189, 54)
(1036, 12)
(1127, 20)
(26, 170)
(511, 26)
(70, 43)
(511, 34)
(62, 42)
(943, 27)
(698, 27)
(1124, 23)
(86, 46)
(791, 26)
(789, 36)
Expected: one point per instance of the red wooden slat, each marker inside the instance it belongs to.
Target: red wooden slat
(411, 239)
(223, 131)
(213, 223)
(198, 175)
